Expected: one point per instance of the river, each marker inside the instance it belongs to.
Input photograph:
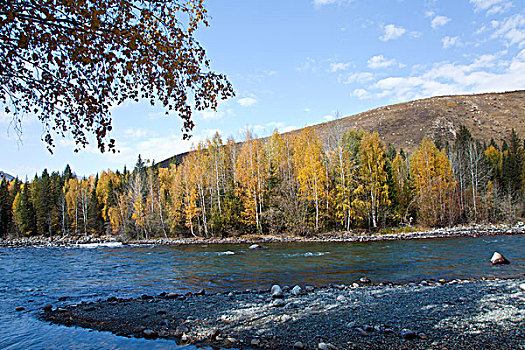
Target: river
(33, 277)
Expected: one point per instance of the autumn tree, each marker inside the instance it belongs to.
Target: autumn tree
(311, 175)
(433, 183)
(251, 173)
(69, 62)
(373, 176)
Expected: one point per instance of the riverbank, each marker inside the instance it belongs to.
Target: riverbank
(482, 314)
(345, 236)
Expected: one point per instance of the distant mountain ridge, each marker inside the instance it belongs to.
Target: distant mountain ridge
(404, 125)
(6, 175)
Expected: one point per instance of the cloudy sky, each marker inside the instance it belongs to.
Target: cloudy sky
(301, 62)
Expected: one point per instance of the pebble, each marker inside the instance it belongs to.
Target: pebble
(297, 290)
(255, 342)
(341, 298)
(149, 334)
(355, 285)
(254, 246)
(277, 303)
(408, 334)
(231, 340)
(326, 346)
(276, 291)
(286, 318)
(20, 308)
(309, 289)
(362, 332)
(365, 280)
(48, 307)
(299, 345)
(522, 286)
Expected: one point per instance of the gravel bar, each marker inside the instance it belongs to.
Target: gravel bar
(457, 314)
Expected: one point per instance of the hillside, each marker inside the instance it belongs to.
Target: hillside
(487, 116)
(6, 175)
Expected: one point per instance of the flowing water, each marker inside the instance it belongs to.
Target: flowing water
(33, 277)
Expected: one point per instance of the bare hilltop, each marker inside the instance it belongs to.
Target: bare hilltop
(488, 116)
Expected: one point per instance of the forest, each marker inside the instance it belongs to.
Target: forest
(293, 184)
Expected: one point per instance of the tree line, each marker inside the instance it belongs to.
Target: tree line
(284, 184)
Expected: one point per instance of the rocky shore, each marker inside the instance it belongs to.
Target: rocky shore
(457, 314)
(350, 236)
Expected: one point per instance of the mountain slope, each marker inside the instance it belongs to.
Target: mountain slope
(488, 116)
(6, 175)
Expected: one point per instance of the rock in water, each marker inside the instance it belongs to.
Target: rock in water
(522, 286)
(254, 246)
(276, 291)
(297, 290)
(498, 259)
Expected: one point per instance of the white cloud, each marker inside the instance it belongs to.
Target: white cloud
(328, 118)
(309, 64)
(392, 32)
(360, 77)
(380, 61)
(318, 3)
(491, 6)
(307, 110)
(450, 41)
(439, 21)
(336, 66)
(209, 114)
(247, 101)
(360, 94)
(511, 30)
(447, 78)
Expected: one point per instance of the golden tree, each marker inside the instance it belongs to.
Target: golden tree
(433, 182)
(309, 163)
(251, 170)
(373, 175)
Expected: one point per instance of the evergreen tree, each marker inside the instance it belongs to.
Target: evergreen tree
(42, 201)
(24, 212)
(5, 208)
(512, 166)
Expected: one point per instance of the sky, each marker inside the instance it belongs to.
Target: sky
(295, 63)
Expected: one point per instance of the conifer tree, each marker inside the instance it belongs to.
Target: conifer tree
(5, 208)
(24, 213)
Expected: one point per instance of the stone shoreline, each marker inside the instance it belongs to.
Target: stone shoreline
(457, 314)
(457, 231)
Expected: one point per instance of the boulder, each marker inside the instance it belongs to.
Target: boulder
(498, 259)
(276, 291)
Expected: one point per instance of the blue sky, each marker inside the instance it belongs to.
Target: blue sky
(295, 63)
